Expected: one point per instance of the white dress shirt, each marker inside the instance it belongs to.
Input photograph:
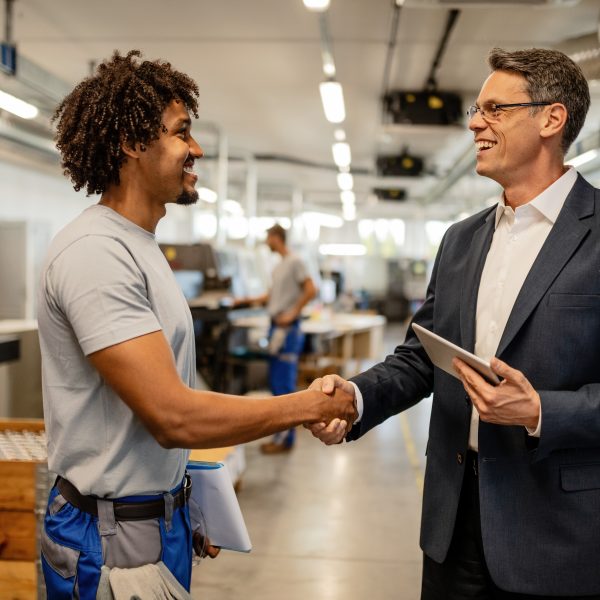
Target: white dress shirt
(518, 237)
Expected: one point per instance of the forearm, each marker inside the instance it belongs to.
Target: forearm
(200, 419)
(308, 293)
(142, 372)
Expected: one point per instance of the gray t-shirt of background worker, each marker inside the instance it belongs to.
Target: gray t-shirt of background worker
(287, 284)
(106, 281)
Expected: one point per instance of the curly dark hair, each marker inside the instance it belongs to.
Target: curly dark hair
(122, 103)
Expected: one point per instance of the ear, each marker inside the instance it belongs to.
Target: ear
(554, 121)
(130, 150)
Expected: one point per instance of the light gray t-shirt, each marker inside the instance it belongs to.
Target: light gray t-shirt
(287, 287)
(106, 281)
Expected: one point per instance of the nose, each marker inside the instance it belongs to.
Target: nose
(195, 149)
(477, 122)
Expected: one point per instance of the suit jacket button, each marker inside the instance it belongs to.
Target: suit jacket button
(459, 458)
(467, 400)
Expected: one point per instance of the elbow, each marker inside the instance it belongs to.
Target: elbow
(169, 432)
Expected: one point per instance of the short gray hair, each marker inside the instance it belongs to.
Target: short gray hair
(551, 77)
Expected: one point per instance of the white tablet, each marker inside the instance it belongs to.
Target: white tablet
(441, 352)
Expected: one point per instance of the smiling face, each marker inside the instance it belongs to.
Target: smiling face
(168, 163)
(507, 150)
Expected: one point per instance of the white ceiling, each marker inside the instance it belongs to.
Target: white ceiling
(258, 66)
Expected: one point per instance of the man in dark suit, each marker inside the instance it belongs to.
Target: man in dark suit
(511, 505)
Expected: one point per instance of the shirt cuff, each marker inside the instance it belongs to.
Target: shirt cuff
(537, 431)
(360, 405)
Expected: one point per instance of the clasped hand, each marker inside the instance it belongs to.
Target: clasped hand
(334, 431)
(512, 402)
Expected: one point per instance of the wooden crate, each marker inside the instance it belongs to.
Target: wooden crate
(23, 494)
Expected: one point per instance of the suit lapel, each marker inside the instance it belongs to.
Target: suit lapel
(566, 235)
(476, 255)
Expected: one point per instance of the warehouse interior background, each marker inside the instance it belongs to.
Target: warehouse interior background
(366, 201)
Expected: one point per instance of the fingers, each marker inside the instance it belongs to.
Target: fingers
(334, 432)
(317, 384)
(330, 382)
(315, 428)
(212, 551)
(503, 370)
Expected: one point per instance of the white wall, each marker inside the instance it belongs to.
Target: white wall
(27, 194)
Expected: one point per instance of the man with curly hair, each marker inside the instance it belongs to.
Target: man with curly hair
(117, 340)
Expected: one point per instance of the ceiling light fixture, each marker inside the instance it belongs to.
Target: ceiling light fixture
(349, 212)
(207, 195)
(323, 219)
(581, 159)
(332, 97)
(345, 181)
(341, 154)
(339, 135)
(316, 5)
(348, 197)
(18, 107)
(342, 249)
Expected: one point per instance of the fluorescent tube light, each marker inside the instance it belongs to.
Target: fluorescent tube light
(342, 249)
(341, 154)
(323, 219)
(18, 107)
(349, 212)
(233, 207)
(207, 195)
(348, 197)
(328, 67)
(345, 181)
(316, 5)
(332, 97)
(581, 159)
(340, 135)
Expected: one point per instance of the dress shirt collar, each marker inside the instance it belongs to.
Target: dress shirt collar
(550, 202)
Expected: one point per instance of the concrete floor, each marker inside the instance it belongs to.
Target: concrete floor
(329, 523)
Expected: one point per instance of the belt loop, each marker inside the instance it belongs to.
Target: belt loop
(169, 503)
(107, 523)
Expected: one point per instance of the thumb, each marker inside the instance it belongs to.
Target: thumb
(329, 384)
(503, 370)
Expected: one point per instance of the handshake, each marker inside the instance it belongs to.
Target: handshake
(339, 412)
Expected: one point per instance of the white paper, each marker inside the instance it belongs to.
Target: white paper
(214, 507)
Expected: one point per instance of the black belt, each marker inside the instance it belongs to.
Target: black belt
(124, 511)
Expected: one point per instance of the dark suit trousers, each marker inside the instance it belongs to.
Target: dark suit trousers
(464, 574)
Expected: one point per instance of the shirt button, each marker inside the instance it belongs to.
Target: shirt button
(514, 238)
(459, 458)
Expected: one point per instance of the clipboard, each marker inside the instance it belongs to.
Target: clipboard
(441, 352)
(214, 507)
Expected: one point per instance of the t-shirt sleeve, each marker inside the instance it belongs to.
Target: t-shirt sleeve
(101, 291)
(300, 272)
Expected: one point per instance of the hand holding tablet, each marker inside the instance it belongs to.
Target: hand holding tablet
(441, 352)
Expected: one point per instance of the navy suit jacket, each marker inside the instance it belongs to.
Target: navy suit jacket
(540, 499)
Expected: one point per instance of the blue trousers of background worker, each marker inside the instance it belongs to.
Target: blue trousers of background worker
(74, 549)
(283, 371)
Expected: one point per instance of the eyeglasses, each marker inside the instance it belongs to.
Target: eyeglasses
(491, 112)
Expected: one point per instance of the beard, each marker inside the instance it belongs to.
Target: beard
(187, 198)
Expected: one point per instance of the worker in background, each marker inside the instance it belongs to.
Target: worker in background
(511, 501)
(117, 342)
(291, 290)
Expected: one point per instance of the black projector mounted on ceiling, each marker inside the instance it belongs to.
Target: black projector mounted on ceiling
(423, 108)
(393, 194)
(402, 165)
